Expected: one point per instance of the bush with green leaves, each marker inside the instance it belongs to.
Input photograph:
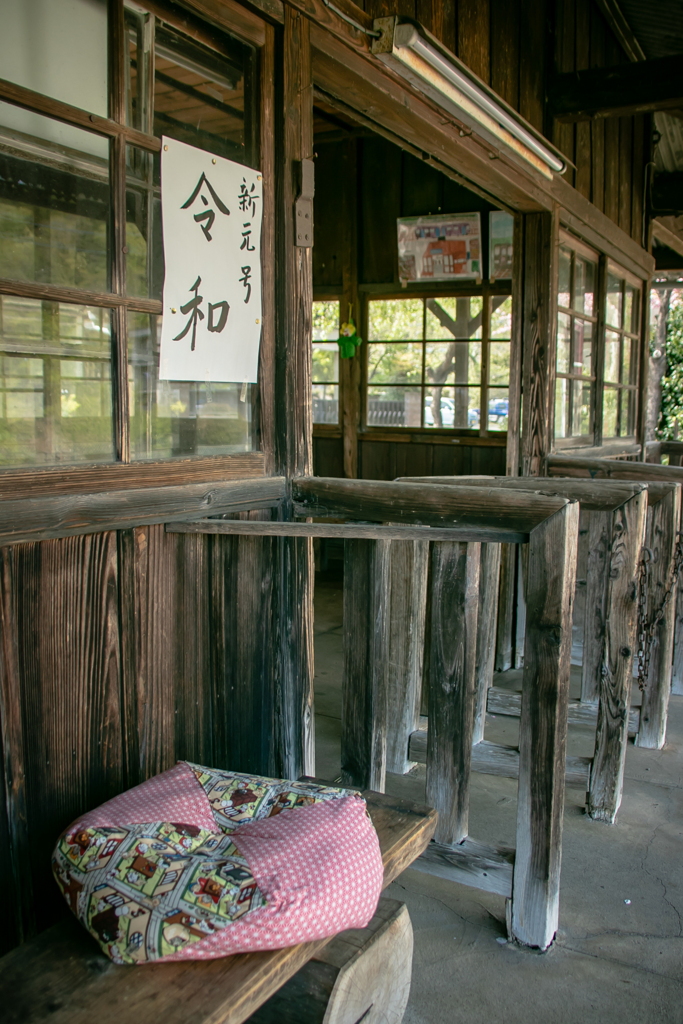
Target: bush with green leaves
(672, 382)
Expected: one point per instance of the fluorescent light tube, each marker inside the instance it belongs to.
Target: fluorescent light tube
(431, 72)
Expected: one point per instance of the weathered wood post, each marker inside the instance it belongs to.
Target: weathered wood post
(662, 527)
(489, 577)
(620, 534)
(409, 570)
(452, 662)
(543, 728)
(367, 590)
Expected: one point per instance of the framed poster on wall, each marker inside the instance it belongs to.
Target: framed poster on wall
(441, 248)
(501, 226)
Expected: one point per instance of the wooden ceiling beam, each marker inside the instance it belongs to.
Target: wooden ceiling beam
(618, 91)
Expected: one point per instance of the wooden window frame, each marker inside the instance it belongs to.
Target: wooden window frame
(596, 441)
(245, 27)
(636, 336)
(484, 289)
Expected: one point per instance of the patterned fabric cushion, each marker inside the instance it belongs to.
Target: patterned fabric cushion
(198, 863)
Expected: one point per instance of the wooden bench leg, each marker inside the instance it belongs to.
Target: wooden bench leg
(453, 643)
(489, 578)
(366, 663)
(533, 914)
(623, 536)
(362, 975)
(409, 569)
(597, 569)
(663, 520)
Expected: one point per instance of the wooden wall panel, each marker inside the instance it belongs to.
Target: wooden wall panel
(243, 653)
(165, 608)
(439, 16)
(328, 214)
(505, 43)
(67, 627)
(532, 60)
(328, 456)
(474, 31)
(380, 171)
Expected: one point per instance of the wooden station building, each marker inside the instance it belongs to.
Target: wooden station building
(125, 646)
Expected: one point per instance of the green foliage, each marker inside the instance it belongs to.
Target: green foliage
(672, 382)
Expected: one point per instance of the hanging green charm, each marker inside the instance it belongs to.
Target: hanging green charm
(348, 340)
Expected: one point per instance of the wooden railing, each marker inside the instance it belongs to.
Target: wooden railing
(377, 516)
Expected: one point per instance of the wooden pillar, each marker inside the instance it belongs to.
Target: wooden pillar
(594, 560)
(677, 666)
(409, 570)
(662, 526)
(541, 236)
(624, 534)
(508, 557)
(453, 642)
(506, 607)
(294, 293)
(489, 576)
(367, 589)
(350, 369)
(543, 728)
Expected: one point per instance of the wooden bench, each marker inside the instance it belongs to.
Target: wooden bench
(63, 977)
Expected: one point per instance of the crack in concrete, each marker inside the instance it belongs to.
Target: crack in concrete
(620, 963)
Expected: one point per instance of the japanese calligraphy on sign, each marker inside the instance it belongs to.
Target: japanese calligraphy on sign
(211, 211)
(440, 248)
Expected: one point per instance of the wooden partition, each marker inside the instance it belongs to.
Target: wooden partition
(664, 531)
(616, 517)
(457, 523)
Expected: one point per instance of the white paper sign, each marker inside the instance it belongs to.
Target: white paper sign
(211, 211)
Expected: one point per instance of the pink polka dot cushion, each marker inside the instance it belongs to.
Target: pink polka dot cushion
(198, 863)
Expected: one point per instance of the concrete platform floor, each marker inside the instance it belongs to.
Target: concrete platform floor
(612, 961)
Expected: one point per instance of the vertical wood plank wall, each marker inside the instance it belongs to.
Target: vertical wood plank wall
(120, 654)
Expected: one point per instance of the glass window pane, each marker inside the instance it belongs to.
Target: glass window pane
(630, 309)
(326, 320)
(325, 362)
(452, 407)
(55, 383)
(627, 427)
(326, 403)
(628, 345)
(564, 326)
(454, 318)
(501, 317)
(565, 277)
(200, 97)
(180, 418)
(581, 409)
(459, 362)
(498, 409)
(499, 362)
(395, 364)
(612, 357)
(54, 206)
(561, 406)
(145, 256)
(395, 320)
(393, 407)
(610, 399)
(57, 48)
(614, 302)
(583, 347)
(584, 285)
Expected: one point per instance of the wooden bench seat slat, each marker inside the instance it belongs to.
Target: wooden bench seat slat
(62, 977)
